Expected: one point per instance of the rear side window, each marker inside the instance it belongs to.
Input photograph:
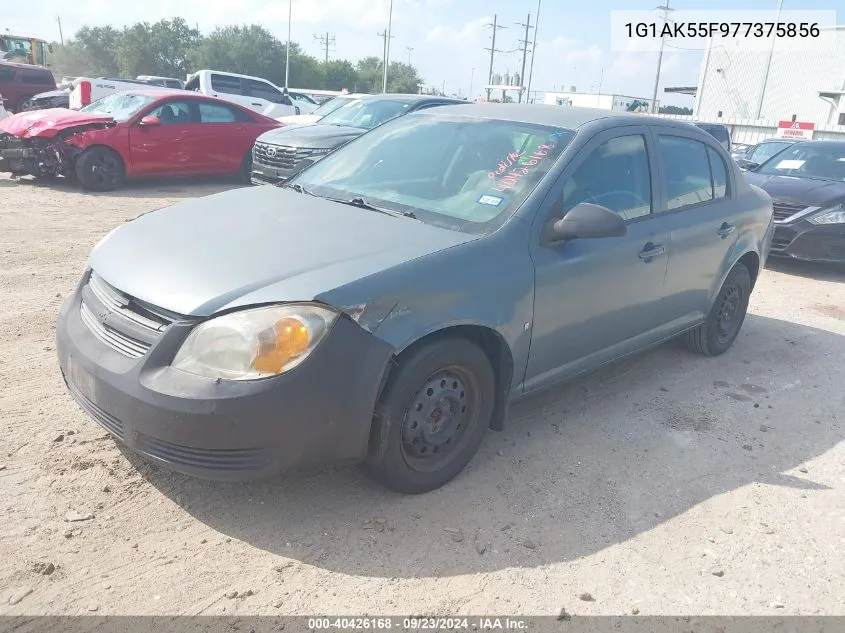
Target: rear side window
(263, 90)
(219, 113)
(719, 173)
(226, 84)
(7, 75)
(687, 171)
(38, 78)
(616, 175)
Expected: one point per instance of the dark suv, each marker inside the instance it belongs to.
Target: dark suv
(720, 132)
(19, 82)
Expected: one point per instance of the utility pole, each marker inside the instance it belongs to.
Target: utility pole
(493, 50)
(533, 48)
(524, 43)
(387, 37)
(326, 41)
(61, 37)
(410, 48)
(287, 48)
(768, 66)
(384, 35)
(665, 8)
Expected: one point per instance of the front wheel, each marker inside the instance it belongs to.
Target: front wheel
(719, 331)
(99, 169)
(432, 417)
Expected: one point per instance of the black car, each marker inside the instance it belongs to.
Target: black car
(753, 155)
(718, 131)
(51, 99)
(807, 184)
(281, 153)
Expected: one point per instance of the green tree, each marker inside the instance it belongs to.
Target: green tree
(370, 77)
(92, 51)
(339, 74)
(157, 49)
(402, 78)
(674, 110)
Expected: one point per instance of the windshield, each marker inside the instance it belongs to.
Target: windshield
(366, 114)
(331, 105)
(462, 173)
(120, 106)
(808, 160)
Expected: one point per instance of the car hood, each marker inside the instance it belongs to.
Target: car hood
(316, 136)
(50, 94)
(792, 190)
(257, 245)
(299, 119)
(49, 122)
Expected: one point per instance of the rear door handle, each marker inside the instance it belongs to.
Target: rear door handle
(258, 105)
(650, 251)
(726, 229)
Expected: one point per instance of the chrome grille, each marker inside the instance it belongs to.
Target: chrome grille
(278, 156)
(784, 210)
(119, 321)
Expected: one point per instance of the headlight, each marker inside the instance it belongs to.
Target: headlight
(254, 343)
(833, 215)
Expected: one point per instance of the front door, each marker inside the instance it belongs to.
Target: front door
(702, 219)
(596, 299)
(168, 148)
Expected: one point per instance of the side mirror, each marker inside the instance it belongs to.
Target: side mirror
(747, 165)
(150, 121)
(588, 221)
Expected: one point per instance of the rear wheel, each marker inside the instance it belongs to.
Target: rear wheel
(99, 169)
(432, 416)
(26, 104)
(716, 335)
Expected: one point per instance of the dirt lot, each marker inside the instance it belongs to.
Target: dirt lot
(668, 484)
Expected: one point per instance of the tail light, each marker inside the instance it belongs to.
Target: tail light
(85, 92)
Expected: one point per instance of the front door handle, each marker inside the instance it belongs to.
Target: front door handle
(650, 251)
(726, 229)
(258, 105)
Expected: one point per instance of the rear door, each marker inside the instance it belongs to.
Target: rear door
(700, 214)
(597, 299)
(171, 148)
(224, 137)
(268, 100)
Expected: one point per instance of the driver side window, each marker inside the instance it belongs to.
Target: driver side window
(615, 175)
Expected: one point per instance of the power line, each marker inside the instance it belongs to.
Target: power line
(493, 50)
(326, 41)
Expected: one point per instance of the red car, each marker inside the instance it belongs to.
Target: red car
(133, 134)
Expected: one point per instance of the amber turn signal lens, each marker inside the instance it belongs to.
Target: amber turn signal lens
(289, 339)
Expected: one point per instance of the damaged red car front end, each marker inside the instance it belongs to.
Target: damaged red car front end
(43, 143)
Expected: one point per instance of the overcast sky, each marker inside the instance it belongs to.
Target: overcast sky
(447, 36)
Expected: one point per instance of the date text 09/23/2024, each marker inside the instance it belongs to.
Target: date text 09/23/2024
(419, 623)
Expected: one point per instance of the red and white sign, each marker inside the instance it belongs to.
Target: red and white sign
(795, 129)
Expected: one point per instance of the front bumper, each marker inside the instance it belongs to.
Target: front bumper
(317, 414)
(803, 240)
(266, 175)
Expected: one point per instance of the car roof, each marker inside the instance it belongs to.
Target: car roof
(567, 117)
(167, 92)
(409, 98)
(821, 143)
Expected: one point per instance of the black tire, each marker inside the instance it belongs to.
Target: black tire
(26, 105)
(716, 335)
(415, 446)
(100, 169)
(245, 173)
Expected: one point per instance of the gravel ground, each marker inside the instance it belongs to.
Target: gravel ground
(668, 484)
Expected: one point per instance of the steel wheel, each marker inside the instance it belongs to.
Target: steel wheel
(437, 419)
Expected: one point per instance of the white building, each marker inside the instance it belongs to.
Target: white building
(807, 85)
(619, 103)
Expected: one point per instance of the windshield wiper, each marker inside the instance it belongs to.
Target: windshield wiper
(295, 186)
(363, 204)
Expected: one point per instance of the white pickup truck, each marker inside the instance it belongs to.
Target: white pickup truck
(85, 90)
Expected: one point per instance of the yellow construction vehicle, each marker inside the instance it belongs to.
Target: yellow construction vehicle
(24, 50)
